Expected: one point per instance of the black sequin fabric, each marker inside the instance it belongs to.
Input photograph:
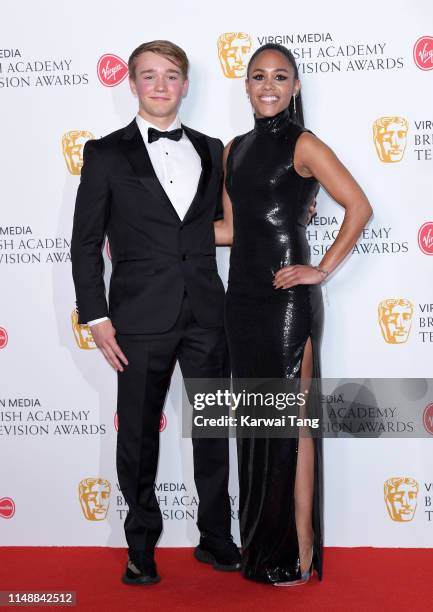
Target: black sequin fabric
(267, 332)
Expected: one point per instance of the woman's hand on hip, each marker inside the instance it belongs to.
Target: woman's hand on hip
(289, 276)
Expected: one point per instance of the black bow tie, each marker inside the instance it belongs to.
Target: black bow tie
(154, 135)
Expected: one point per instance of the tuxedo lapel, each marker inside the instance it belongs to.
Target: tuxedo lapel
(136, 152)
(200, 144)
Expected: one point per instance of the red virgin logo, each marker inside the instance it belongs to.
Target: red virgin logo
(423, 53)
(425, 238)
(3, 337)
(7, 507)
(111, 70)
(428, 418)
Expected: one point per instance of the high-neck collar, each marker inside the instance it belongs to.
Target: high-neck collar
(272, 125)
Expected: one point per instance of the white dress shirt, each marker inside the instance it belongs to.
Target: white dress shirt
(177, 166)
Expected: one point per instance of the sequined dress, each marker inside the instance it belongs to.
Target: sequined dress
(267, 331)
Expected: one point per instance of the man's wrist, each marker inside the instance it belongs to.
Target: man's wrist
(96, 321)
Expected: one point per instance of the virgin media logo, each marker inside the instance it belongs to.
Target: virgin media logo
(425, 238)
(111, 70)
(3, 337)
(423, 53)
(428, 418)
(7, 507)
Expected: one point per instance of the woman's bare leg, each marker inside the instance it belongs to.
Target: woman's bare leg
(304, 484)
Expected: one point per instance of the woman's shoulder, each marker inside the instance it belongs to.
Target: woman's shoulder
(234, 142)
(309, 142)
(294, 130)
(303, 138)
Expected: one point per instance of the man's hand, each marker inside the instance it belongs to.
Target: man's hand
(103, 334)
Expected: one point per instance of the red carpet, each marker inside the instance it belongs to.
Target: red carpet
(355, 579)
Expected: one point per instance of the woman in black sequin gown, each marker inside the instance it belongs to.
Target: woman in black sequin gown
(274, 310)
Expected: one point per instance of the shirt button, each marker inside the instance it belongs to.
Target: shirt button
(171, 181)
(181, 228)
(183, 257)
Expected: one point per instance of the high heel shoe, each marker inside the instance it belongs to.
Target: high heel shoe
(305, 576)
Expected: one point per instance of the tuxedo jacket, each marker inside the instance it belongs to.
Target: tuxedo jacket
(156, 256)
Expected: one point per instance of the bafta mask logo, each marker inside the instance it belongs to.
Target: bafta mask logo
(7, 507)
(73, 144)
(3, 337)
(390, 137)
(94, 494)
(401, 498)
(423, 53)
(82, 333)
(395, 319)
(233, 49)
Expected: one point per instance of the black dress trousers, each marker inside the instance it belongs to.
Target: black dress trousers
(142, 388)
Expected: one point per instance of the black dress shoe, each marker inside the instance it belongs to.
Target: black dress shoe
(223, 555)
(141, 574)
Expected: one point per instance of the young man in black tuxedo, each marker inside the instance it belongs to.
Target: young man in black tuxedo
(154, 189)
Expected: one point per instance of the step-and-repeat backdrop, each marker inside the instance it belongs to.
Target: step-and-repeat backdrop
(367, 77)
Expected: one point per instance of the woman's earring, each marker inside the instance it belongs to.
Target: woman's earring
(294, 104)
